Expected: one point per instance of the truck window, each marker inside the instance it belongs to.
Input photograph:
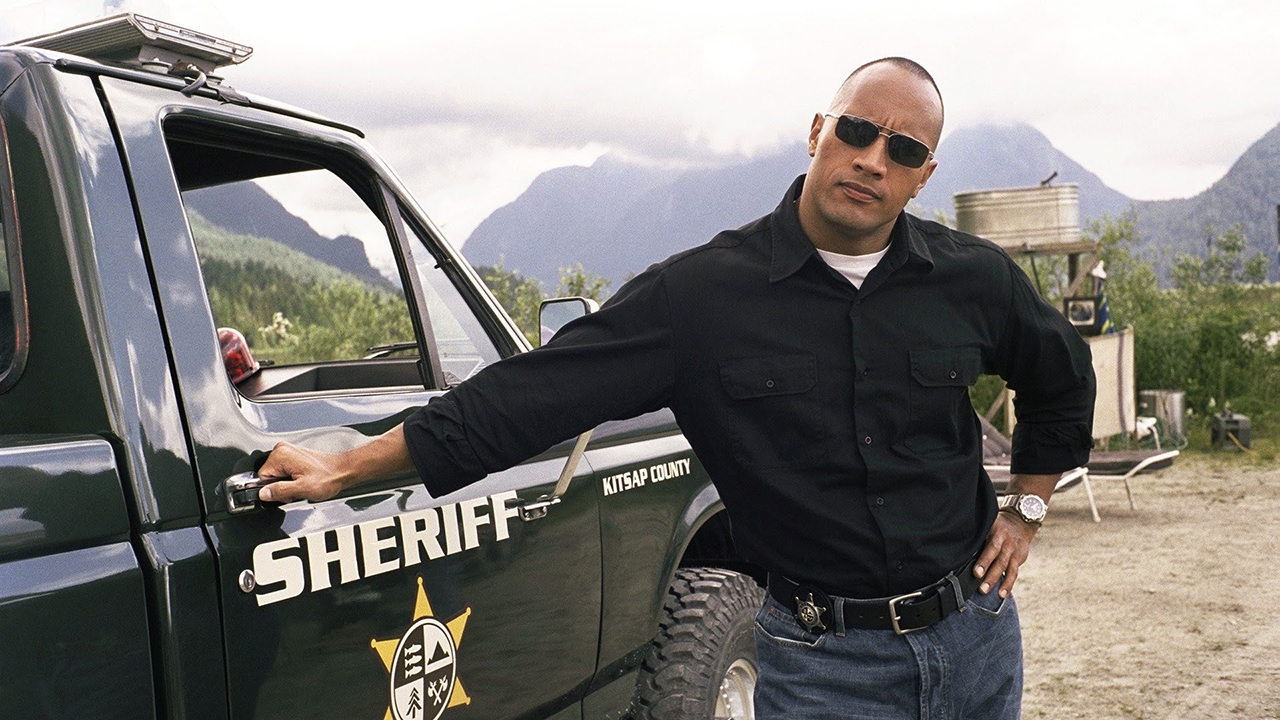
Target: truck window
(296, 258)
(8, 318)
(461, 341)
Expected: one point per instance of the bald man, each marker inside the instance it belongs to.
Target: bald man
(818, 360)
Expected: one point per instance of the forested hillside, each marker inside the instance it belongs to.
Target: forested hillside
(293, 308)
(245, 208)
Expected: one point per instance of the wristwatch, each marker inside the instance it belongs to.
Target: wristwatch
(1031, 508)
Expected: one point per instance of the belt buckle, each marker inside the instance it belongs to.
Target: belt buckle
(893, 612)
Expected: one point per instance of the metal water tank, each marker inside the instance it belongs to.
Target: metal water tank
(1169, 407)
(1030, 218)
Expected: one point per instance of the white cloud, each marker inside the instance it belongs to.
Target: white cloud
(460, 174)
(471, 100)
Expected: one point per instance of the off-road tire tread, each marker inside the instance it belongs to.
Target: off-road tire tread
(701, 607)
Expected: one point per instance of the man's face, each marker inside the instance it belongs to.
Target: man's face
(857, 193)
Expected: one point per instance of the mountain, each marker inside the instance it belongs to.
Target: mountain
(695, 206)
(244, 208)
(1248, 194)
(986, 157)
(616, 218)
(567, 215)
(215, 243)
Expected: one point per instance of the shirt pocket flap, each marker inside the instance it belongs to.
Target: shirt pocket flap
(946, 367)
(745, 378)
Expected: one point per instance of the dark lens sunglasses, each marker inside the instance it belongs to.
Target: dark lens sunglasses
(861, 132)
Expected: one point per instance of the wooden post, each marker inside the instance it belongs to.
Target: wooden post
(1008, 413)
(997, 403)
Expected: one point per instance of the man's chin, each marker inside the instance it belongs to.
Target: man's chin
(856, 224)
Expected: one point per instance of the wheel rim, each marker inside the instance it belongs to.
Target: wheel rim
(736, 690)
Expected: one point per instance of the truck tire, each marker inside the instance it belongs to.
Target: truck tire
(702, 663)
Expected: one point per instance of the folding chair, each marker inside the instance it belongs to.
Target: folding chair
(1123, 464)
(1126, 464)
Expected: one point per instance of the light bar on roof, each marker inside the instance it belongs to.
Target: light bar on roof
(135, 39)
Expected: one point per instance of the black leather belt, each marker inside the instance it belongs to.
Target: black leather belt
(901, 614)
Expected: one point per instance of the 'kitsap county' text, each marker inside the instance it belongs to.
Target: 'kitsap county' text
(640, 477)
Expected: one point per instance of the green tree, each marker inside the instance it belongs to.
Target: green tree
(520, 296)
(1214, 334)
(1132, 287)
(1225, 265)
(576, 281)
(289, 320)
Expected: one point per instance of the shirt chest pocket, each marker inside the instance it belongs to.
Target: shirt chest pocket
(775, 418)
(941, 414)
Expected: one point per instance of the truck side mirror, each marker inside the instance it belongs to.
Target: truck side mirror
(555, 314)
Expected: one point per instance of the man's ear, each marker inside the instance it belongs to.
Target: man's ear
(814, 130)
(928, 172)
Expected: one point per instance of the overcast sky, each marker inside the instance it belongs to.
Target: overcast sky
(469, 101)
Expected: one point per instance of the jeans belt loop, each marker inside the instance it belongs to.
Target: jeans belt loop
(959, 591)
(837, 612)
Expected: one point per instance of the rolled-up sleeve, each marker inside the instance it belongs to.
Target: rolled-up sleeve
(1049, 367)
(614, 364)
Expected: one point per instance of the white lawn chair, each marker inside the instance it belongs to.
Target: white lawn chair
(1123, 464)
(1145, 462)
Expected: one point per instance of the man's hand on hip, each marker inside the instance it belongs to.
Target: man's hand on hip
(1008, 545)
(1009, 541)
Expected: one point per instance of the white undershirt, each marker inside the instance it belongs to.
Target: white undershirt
(853, 267)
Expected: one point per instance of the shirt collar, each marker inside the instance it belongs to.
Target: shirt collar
(792, 248)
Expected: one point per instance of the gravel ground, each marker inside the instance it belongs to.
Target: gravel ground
(1168, 611)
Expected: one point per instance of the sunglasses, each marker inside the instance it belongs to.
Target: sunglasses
(861, 132)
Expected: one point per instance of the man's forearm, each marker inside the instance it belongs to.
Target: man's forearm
(385, 456)
(1026, 484)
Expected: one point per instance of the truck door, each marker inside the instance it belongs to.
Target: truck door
(383, 602)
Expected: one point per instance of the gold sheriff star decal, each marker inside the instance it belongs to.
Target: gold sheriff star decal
(422, 664)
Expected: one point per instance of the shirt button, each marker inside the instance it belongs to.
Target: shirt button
(953, 374)
(864, 373)
(899, 565)
(867, 440)
(880, 501)
(768, 383)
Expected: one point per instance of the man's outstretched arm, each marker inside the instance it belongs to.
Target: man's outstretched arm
(297, 473)
(616, 363)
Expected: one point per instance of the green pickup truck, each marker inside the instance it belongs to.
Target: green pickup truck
(139, 575)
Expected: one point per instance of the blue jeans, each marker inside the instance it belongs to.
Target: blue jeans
(968, 665)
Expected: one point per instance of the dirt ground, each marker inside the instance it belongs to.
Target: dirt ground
(1169, 611)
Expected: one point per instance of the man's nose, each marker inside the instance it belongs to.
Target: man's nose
(873, 158)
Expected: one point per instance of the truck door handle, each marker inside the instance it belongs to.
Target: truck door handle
(242, 492)
(531, 510)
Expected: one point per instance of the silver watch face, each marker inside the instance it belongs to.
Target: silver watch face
(1032, 508)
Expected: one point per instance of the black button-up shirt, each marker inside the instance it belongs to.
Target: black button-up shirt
(834, 421)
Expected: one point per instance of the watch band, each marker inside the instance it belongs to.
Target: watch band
(1014, 504)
